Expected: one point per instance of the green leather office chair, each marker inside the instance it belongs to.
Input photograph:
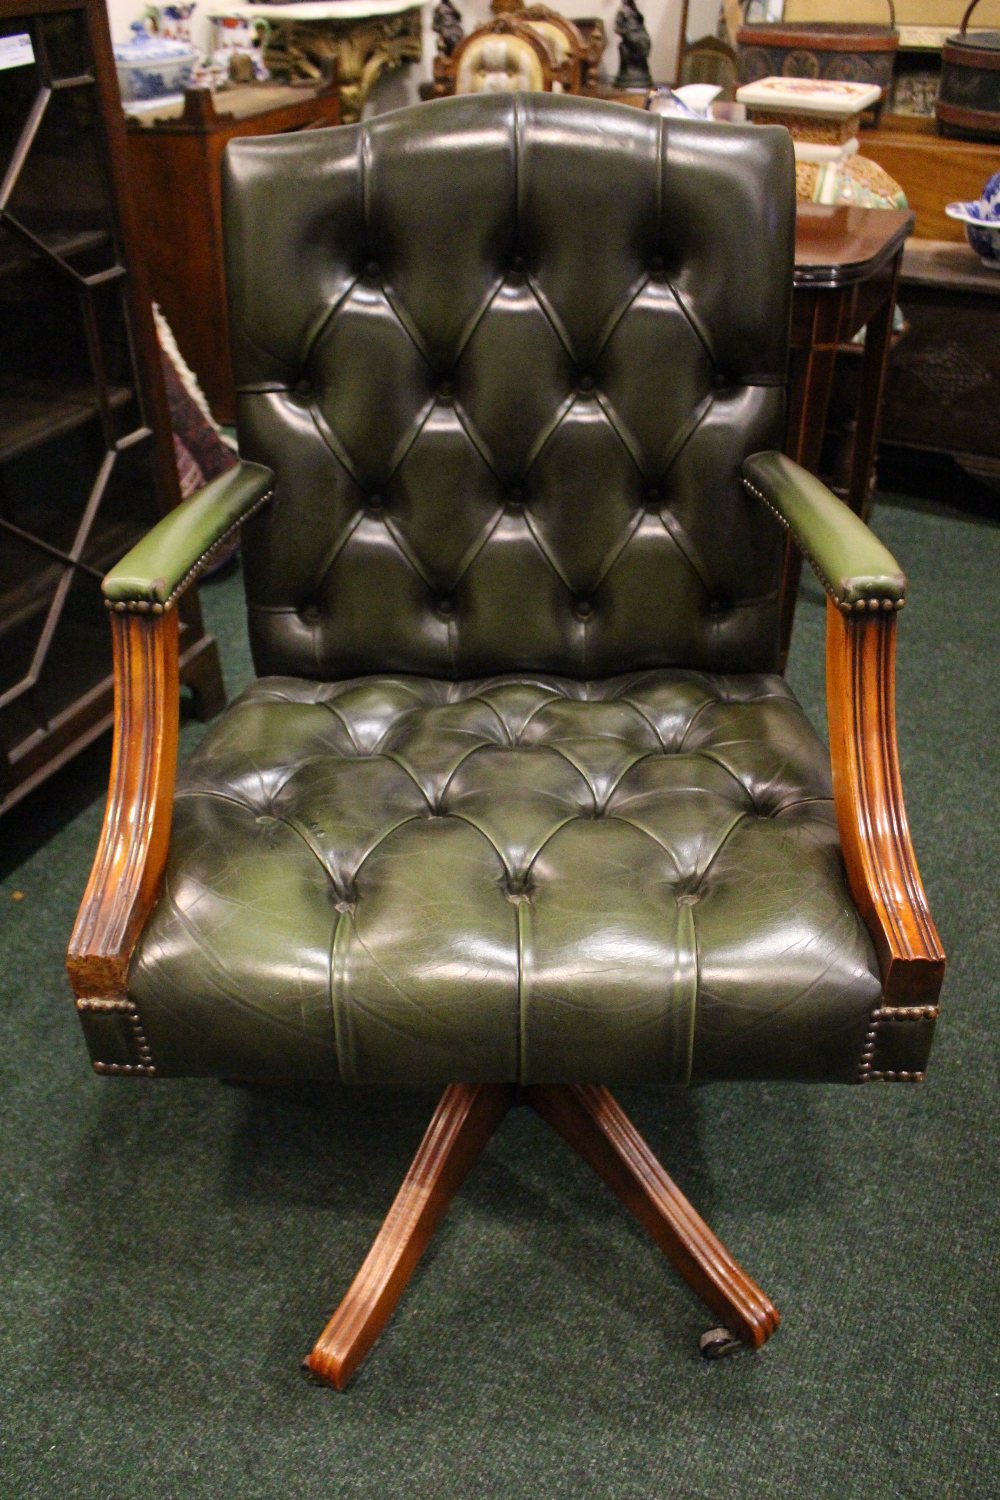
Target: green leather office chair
(518, 804)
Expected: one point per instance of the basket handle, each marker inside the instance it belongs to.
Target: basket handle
(892, 12)
(965, 18)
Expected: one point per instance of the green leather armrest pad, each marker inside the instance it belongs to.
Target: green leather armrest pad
(170, 556)
(856, 570)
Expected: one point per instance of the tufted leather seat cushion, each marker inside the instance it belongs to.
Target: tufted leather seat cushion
(527, 878)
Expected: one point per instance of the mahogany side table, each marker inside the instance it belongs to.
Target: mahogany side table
(174, 157)
(847, 262)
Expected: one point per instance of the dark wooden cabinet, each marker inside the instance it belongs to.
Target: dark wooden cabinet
(942, 395)
(86, 456)
(175, 157)
(943, 392)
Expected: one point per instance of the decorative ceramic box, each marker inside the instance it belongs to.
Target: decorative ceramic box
(150, 66)
(825, 110)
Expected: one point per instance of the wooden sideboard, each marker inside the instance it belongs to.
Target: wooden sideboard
(932, 169)
(175, 158)
(943, 392)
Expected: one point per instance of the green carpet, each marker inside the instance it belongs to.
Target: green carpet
(170, 1250)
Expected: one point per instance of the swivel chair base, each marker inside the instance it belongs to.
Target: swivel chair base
(590, 1120)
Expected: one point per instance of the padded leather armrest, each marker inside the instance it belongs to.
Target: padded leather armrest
(160, 566)
(856, 570)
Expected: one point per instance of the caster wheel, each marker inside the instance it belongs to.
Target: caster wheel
(717, 1343)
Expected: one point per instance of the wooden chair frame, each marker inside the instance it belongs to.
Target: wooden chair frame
(446, 68)
(578, 54)
(709, 60)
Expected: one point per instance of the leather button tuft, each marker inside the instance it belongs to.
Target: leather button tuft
(311, 614)
(583, 609)
(303, 389)
(446, 391)
(518, 888)
(372, 269)
(654, 497)
(720, 381)
(656, 263)
(515, 498)
(347, 899)
(585, 385)
(374, 503)
(445, 608)
(518, 265)
(689, 898)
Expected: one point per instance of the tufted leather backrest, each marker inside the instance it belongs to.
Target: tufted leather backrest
(506, 355)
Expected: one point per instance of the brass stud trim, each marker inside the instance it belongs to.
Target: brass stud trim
(906, 1013)
(846, 606)
(126, 1070)
(138, 1040)
(889, 1015)
(889, 1077)
(146, 607)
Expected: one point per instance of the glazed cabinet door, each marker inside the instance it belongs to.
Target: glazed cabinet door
(82, 466)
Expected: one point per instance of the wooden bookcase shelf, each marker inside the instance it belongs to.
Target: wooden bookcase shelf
(86, 453)
(36, 411)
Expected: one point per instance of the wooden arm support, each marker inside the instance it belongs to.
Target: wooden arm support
(865, 590)
(141, 593)
(132, 852)
(882, 870)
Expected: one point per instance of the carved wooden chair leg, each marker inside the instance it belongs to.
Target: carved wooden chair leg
(590, 1119)
(465, 1119)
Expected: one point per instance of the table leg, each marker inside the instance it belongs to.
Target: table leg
(875, 363)
(811, 381)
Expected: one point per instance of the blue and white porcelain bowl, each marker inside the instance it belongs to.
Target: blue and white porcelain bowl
(982, 222)
(150, 66)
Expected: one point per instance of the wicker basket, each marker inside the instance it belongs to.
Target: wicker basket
(968, 101)
(826, 111)
(819, 49)
(810, 127)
